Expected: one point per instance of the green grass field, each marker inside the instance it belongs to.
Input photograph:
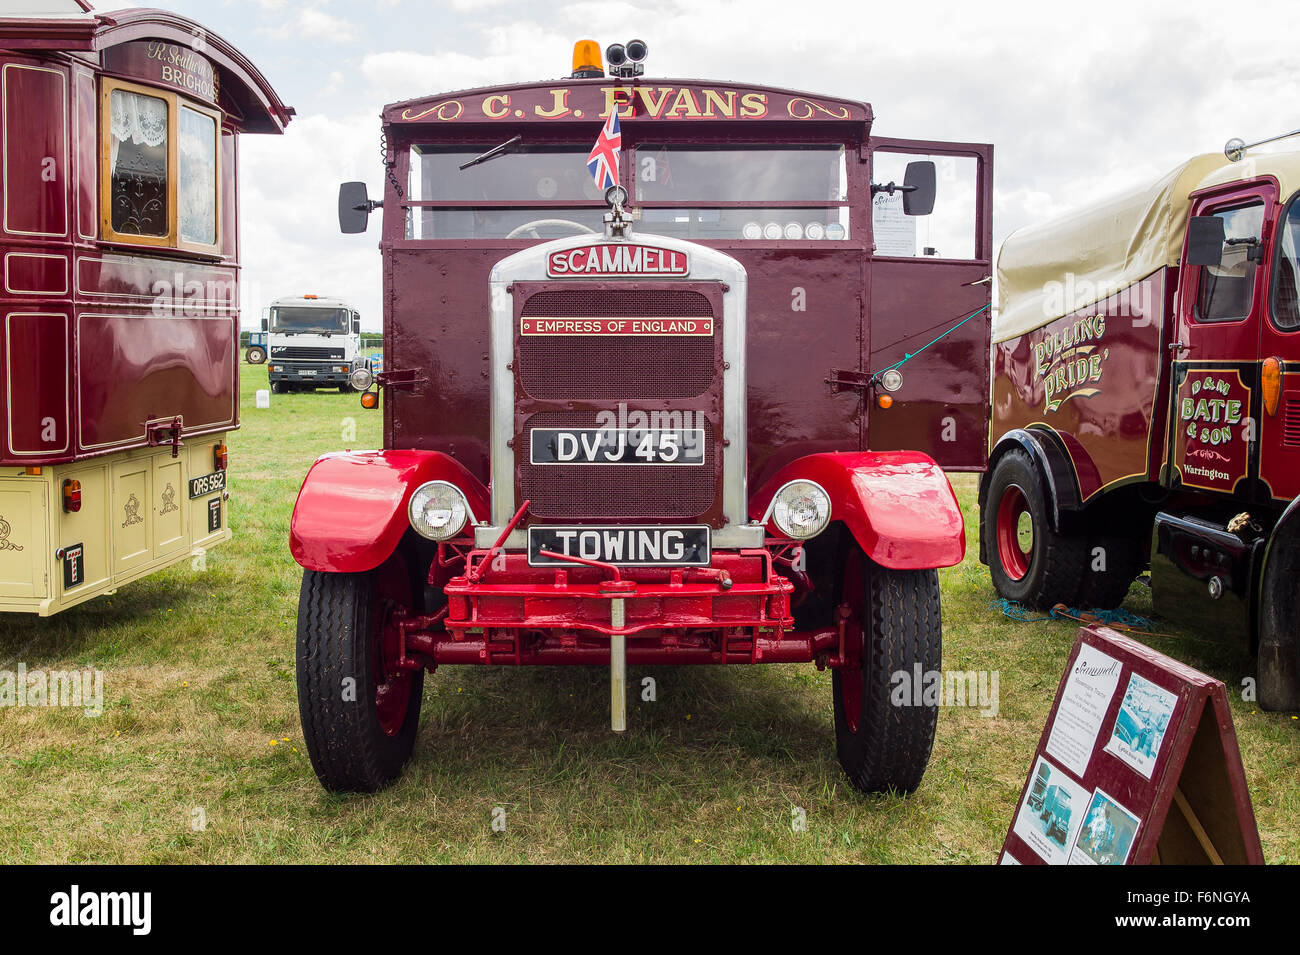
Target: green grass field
(198, 755)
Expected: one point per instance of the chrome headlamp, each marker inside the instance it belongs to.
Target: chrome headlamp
(800, 509)
(361, 378)
(438, 510)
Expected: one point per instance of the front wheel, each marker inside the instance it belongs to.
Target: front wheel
(256, 355)
(1029, 562)
(884, 724)
(359, 714)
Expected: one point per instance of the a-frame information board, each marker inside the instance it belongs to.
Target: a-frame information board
(1138, 764)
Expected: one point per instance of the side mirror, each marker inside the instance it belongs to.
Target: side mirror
(918, 188)
(356, 325)
(355, 206)
(266, 324)
(1205, 238)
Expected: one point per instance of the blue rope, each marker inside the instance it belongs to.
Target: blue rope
(908, 356)
(1021, 614)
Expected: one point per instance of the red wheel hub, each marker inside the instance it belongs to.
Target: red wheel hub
(1015, 533)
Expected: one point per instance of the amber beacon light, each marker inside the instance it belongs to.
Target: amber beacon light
(587, 63)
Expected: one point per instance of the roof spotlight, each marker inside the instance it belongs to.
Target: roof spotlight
(626, 60)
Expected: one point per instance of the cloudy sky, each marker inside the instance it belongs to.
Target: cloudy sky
(1078, 101)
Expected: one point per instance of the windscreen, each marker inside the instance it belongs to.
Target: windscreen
(298, 319)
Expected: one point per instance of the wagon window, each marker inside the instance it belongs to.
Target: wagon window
(161, 169)
(1227, 290)
(138, 128)
(196, 189)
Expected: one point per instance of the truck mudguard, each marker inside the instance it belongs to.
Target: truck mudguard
(898, 505)
(1053, 463)
(351, 510)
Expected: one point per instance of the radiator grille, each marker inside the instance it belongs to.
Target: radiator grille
(306, 353)
(609, 367)
(571, 492)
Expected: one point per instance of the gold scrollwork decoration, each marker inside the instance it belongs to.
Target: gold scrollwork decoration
(442, 110)
(806, 108)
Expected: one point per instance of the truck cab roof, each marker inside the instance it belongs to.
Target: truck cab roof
(1115, 242)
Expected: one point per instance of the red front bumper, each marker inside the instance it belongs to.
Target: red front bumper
(522, 615)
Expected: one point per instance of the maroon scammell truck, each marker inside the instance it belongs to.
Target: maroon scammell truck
(675, 424)
(1146, 407)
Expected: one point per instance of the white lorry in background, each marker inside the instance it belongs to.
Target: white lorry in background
(313, 341)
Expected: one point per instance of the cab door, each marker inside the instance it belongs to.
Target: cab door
(1215, 375)
(1279, 424)
(926, 275)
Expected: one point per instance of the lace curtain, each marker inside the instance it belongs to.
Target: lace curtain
(196, 200)
(136, 119)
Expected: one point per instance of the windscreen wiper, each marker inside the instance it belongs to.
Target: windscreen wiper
(493, 153)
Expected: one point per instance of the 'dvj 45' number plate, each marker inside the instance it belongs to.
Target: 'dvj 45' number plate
(680, 446)
(648, 545)
(208, 484)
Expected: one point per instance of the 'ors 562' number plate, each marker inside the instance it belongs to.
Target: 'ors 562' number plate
(209, 483)
(616, 446)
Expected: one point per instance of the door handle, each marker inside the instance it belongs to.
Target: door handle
(1178, 347)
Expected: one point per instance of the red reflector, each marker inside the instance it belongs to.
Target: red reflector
(71, 495)
(219, 456)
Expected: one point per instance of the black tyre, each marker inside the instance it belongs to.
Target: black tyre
(1110, 566)
(1029, 562)
(255, 355)
(358, 721)
(277, 388)
(893, 625)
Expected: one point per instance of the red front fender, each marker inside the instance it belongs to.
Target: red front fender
(351, 510)
(898, 505)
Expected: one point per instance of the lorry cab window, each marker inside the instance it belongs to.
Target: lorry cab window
(1226, 290)
(310, 321)
(950, 231)
(751, 175)
(449, 202)
(1286, 288)
(743, 192)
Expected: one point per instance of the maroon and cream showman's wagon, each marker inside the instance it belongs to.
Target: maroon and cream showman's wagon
(696, 413)
(120, 246)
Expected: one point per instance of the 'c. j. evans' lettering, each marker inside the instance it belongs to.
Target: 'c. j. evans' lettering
(617, 259)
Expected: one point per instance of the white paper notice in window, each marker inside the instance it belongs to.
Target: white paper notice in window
(1087, 695)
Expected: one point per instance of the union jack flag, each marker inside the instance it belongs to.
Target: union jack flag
(603, 161)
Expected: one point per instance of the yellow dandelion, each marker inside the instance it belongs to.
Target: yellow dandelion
(688, 716)
(285, 738)
(274, 742)
(698, 841)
